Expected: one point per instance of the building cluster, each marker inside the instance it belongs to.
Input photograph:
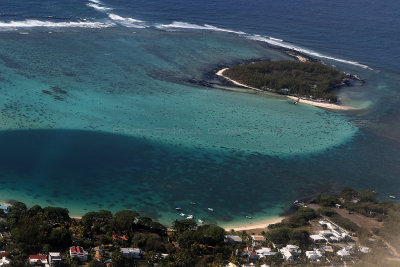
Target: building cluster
(329, 240)
(55, 258)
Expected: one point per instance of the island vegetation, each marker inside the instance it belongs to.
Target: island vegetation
(311, 80)
(369, 232)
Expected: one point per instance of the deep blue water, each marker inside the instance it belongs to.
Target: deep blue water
(98, 109)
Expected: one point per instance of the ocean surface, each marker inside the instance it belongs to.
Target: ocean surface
(115, 105)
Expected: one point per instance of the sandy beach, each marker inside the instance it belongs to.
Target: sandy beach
(253, 225)
(302, 101)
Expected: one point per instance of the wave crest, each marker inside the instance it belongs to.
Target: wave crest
(270, 40)
(185, 25)
(48, 24)
(99, 7)
(128, 22)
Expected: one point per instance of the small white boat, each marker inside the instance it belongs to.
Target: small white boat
(210, 209)
(392, 197)
(189, 217)
(249, 217)
(182, 214)
(178, 208)
(200, 221)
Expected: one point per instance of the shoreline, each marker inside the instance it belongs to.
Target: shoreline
(300, 100)
(263, 224)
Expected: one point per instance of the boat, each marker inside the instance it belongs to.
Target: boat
(210, 209)
(249, 217)
(392, 197)
(189, 217)
(296, 101)
(200, 221)
(193, 203)
(182, 214)
(178, 208)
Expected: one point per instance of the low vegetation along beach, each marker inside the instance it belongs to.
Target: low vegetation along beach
(350, 228)
(305, 82)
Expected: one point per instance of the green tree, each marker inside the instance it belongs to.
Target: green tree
(56, 215)
(368, 196)
(211, 234)
(60, 238)
(124, 221)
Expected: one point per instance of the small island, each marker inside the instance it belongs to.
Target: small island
(312, 82)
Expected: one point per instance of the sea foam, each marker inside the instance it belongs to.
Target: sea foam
(186, 25)
(127, 22)
(99, 7)
(67, 24)
(270, 40)
(280, 43)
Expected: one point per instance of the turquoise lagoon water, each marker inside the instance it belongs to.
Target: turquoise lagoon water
(116, 118)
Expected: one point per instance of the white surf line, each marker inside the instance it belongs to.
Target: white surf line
(270, 40)
(68, 24)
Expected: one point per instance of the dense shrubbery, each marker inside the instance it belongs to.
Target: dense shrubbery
(301, 78)
(325, 200)
(285, 235)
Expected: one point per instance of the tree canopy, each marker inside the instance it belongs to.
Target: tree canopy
(309, 79)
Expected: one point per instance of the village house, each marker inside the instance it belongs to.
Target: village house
(289, 252)
(364, 249)
(4, 261)
(314, 255)
(343, 253)
(78, 252)
(55, 258)
(37, 260)
(264, 252)
(249, 252)
(328, 249)
(98, 253)
(317, 239)
(257, 240)
(135, 253)
(4, 208)
(232, 239)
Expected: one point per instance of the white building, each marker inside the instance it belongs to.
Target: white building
(326, 233)
(317, 238)
(293, 249)
(257, 240)
(289, 251)
(313, 255)
(264, 252)
(54, 258)
(364, 249)
(343, 253)
(4, 261)
(135, 253)
(287, 255)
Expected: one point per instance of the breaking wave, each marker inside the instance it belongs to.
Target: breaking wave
(185, 25)
(280, 43)
(99, 7)
(128, 22)
(270, 40)
(68, 24)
